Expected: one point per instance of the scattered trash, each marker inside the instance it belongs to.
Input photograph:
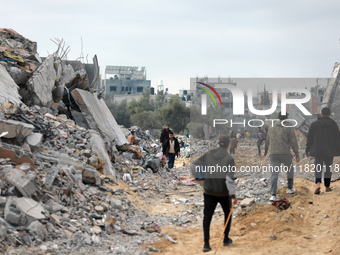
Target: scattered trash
(170, 239)
(273, 237)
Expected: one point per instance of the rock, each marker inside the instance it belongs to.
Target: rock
(22, 211)
(8, 88)
(3, 230)
(153, 249)
(16, 178)
(90, 176)
(247, 202)
(39, 229)
(55, 218)
(34, 140)
(50, 176)
(116, 204)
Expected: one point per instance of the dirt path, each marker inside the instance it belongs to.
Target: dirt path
(310, 226)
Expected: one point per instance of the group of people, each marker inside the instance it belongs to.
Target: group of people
(323, 142)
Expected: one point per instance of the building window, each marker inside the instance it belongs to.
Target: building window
(130, 89)
(122, 88)
(113, 88)
(139, 89)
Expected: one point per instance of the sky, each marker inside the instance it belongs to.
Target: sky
(178, 40)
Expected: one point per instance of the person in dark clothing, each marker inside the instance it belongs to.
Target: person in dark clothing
(266, 145)
(219, 186)
(165, 134)
(259, 136)
(323, 142)
(171, 149)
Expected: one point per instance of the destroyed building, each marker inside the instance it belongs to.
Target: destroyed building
(126, 80)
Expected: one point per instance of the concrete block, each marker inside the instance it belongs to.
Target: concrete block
(34, 140)
(42, 83)
(8, 88)
(18, 179)
(16, 129)
(39, 229)
(116, 204)
(247, 202)
(22, 210)
(90, 176)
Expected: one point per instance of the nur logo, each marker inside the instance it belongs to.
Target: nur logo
(204, 97)
(238, 100)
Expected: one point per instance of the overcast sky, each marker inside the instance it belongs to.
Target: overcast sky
(176, 40)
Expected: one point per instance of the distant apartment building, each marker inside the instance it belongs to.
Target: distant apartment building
(125, 80)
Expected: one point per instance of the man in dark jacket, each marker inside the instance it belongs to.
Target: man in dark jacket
(219, 186)
(171, 149)
(165, 134)
(323, 141)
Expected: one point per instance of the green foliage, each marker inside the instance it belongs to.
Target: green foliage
(149, 113)
(119, 111)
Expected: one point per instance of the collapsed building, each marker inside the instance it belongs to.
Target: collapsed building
(59, 147)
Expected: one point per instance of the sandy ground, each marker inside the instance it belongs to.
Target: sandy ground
(310, 226)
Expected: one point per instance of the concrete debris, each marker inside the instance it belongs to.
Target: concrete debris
(34, 140)
(8, 88)
(21, 211)
(93, 110)
(18, 179)
(247, 202)
(42, 83)
(15, 129)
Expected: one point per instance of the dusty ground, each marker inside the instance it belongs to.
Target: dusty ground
(310, 226)
(302, 229)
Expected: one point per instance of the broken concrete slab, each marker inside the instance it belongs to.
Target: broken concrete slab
(98, 148)
(42, 83)
(17, 154)
(15, 129)
(22, 211)
(18, 179)
(93, 110)
(8, 88)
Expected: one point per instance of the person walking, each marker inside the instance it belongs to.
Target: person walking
(165, 134)
(233, 145)
(265, 138)
(219, 187)
(279, 141)
(171, 149)
(323, 142)
(260, 137)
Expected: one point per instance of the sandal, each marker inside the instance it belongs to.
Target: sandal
(317, 191)
(328, 189)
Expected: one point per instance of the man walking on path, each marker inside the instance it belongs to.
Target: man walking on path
(279, 141)
(323, 142)
(219, 186)
(233, 145)
(260, 137)
(171, 149)
(265, 138)
(165, 134)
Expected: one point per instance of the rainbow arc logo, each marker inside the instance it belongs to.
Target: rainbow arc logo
(204, 97)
